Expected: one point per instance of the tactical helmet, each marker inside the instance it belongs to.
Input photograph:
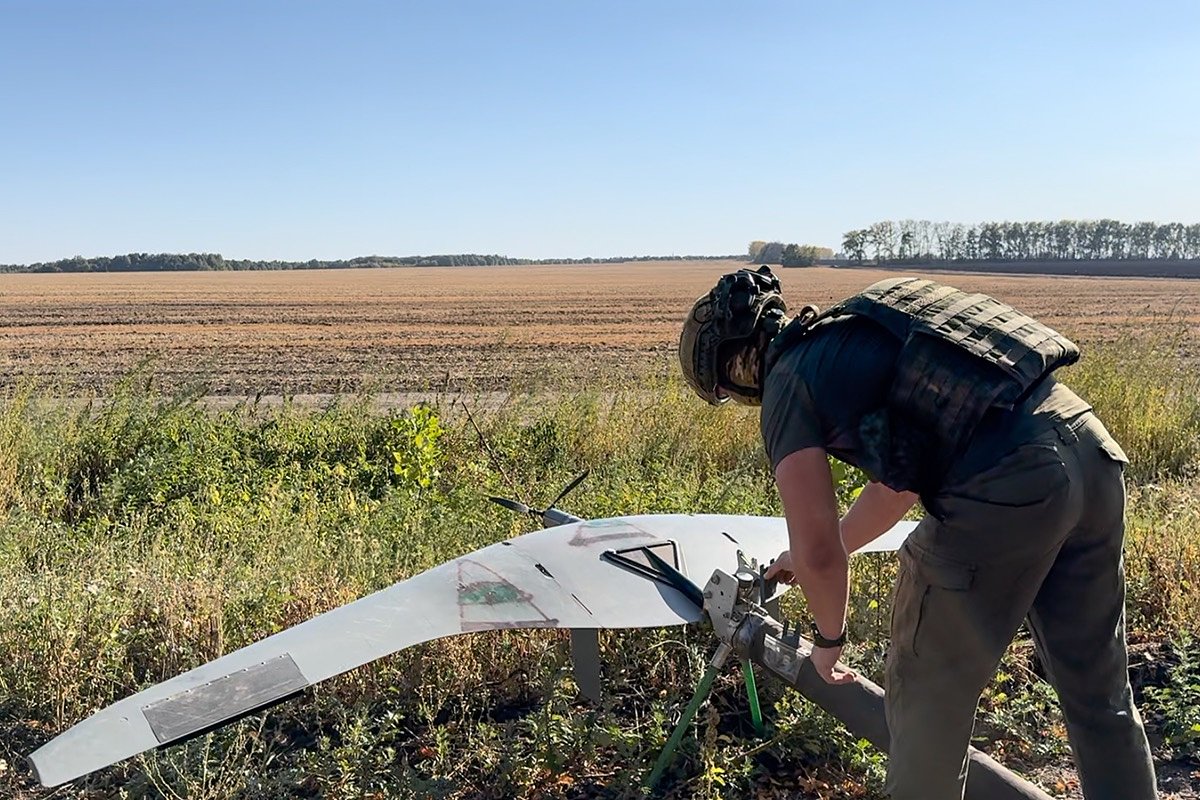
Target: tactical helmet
(742, 307)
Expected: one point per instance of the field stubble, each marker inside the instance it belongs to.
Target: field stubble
(456, 328)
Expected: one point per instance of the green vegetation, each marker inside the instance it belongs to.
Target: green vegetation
(789, 255)
(141, 535)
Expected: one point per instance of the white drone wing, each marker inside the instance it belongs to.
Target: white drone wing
(552, 578)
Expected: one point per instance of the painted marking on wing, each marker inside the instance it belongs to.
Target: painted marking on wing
(488, 601)
(491, 593)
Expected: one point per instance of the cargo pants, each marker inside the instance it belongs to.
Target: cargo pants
(1037, 534)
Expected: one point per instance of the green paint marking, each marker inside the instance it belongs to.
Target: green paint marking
(489, 593)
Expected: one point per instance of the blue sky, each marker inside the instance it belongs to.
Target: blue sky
(299, 130)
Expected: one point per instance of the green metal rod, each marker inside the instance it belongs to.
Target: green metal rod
(756, 716)
(702, 689)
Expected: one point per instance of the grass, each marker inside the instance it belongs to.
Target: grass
(143, 534)
(1149, 399)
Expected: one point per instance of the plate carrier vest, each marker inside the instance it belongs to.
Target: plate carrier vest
(960, 356)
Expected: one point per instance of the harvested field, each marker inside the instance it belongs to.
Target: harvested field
(454, 328)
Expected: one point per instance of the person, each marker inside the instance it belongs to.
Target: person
(949, 398)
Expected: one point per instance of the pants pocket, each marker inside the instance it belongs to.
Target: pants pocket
(924, 580)
(1093, 429)
(1024, 479)
(1113, 450)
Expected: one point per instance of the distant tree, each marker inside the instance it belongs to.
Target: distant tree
(1141, 240)
(854, 244)
(970, 245)
(756, 248)
(991, 241)
(771, 253)
(800, 255)
(1062, 235)
(882, 237)
(1192, 238)
(908, 240)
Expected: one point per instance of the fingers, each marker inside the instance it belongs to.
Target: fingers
(780, 574)
(837, 675)
(781, 569)
(843, 676)
(830, 669)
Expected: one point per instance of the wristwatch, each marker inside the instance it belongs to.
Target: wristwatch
(821, 641)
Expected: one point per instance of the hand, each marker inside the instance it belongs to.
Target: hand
(825, 662)
(781, 569)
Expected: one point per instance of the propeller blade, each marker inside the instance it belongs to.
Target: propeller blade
(512, 505)
(570, 486)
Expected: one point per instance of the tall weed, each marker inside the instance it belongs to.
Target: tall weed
(1149, 399)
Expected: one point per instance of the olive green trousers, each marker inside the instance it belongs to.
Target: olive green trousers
(1037, 535)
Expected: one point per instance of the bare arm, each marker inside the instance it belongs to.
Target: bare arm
(818, 557)
(875, 511)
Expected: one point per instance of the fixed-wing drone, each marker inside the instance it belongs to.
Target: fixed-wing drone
(585, 575)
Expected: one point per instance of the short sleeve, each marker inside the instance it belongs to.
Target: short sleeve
(789, 418)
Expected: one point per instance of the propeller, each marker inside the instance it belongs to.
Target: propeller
(546, 514)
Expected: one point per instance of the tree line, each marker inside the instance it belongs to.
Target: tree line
(787, 255)
(916, 241)
(172, 262)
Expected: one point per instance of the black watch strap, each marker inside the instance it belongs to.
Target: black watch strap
(821, 641)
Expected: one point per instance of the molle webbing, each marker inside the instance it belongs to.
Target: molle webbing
(1023, 348)
(961, 354)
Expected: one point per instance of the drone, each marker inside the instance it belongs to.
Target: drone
(638, 571)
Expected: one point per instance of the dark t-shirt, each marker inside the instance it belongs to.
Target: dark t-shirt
(818, 392)
(820, 389)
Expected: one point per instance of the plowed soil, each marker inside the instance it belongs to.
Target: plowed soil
(455, 328)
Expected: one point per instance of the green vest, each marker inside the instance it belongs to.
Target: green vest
(961, 354)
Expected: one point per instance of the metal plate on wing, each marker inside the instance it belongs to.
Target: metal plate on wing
(233, 695)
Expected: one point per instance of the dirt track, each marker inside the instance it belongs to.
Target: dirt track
(457, 328)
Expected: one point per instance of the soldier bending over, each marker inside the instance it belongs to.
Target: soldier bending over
(947, 397)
